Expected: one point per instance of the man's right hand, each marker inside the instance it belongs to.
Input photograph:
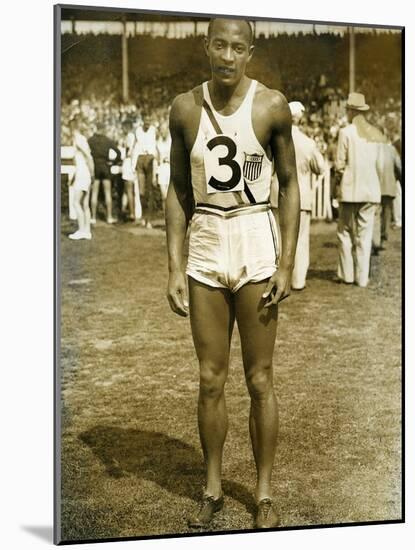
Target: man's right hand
(177, 293)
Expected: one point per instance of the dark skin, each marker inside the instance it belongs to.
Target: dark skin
(213, 311)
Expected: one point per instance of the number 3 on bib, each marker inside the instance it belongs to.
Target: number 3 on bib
(223, 165)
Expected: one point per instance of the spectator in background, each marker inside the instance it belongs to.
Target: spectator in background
(163, 161)
(129, 175)
(143, 157)
(390, 173)
(334, 179)
(308, 160)
(84, 170)
(358, 156)
(100, 146)
(393, 126)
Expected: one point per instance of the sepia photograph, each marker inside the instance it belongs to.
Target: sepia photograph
(229, 222)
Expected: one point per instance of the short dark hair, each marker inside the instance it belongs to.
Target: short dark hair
(248, 24)
(127, 123)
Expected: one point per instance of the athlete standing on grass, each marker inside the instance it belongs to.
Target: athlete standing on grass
(84, 171)
(226, 135)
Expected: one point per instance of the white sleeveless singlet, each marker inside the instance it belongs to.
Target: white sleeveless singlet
(224, 163)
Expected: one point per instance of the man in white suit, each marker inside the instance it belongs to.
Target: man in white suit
(391, 172)
(358, 159)
(308, 160)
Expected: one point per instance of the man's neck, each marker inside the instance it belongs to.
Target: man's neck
(223, 94)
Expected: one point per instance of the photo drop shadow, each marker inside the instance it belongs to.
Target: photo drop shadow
(171, 463)
(43, 532)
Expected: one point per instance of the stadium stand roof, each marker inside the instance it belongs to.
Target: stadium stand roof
(115, 14)
(109, 20)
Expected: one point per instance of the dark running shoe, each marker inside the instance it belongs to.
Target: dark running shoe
(266, 517)
(208, 507)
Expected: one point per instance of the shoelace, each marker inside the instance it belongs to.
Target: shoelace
(266, 507)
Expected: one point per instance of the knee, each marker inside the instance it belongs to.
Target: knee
(259, 381)
(212, 379)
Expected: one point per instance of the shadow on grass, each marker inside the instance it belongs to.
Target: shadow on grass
(174, 465)
(322, 274)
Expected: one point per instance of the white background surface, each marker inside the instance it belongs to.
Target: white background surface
(26, 289)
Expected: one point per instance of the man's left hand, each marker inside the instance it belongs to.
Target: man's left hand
(278, 287)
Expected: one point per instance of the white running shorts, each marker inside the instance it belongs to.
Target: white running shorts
(82, 181)
(231, 247)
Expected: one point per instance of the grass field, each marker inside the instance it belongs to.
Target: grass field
(131, 458)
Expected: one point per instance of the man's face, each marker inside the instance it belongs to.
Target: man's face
(146, 122)
(229, 50)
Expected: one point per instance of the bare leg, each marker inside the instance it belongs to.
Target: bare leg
(108, 198)
(129, 186)
(138, 211)
(212, 319)
(94, 198)
(257, 328)
(150, 195)
(79, 197)
(87, 212)
(142, 187)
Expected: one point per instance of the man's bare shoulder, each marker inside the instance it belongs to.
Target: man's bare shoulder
(271, 99)
(272, 106)
(186, 105)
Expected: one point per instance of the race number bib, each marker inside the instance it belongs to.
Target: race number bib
(223, 165)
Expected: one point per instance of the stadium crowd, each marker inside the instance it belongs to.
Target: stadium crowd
(318, 78)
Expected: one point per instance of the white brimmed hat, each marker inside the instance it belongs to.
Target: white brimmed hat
(296, 108)
(357, 102)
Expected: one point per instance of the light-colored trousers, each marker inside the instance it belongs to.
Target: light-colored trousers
(397, 206)
(302, 253)
(354, 234)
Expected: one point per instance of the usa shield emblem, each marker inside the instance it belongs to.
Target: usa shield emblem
(252, 166)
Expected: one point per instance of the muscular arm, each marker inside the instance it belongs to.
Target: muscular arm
(288, 197)
(397, 164)
(178, 210)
